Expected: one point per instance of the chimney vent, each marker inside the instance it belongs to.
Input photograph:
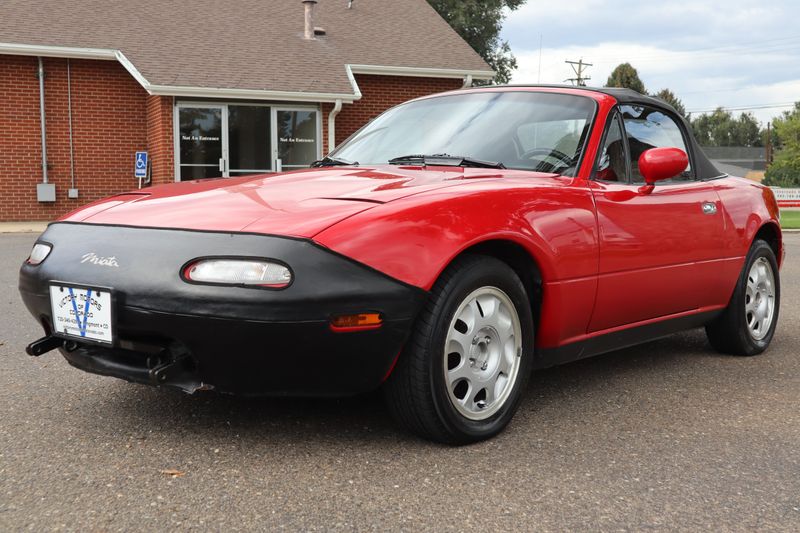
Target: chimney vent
(310, 7)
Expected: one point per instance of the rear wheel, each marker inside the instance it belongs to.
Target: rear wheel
(461, 375)
(748, 323)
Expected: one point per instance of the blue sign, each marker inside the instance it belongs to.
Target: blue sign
(140, 169)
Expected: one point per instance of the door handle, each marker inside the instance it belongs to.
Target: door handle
(709, 208)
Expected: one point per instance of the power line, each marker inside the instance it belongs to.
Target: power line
(738, 50)
(742, 108)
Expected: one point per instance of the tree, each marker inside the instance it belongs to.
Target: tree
(720, 128)
(479, 22)
(670, 98)
(626, 76)
(785, 170)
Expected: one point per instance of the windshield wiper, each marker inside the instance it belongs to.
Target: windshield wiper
(445, 160)
(328, 161)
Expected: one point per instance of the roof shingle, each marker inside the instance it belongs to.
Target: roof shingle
(245, 44)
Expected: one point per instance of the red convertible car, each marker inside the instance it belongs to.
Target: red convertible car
(447, 249)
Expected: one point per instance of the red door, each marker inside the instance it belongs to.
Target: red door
(658, 250)
(659, 246)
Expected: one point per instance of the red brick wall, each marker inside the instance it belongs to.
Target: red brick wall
(378, 94)
(160, 145)
(112, 117)
(109, 125)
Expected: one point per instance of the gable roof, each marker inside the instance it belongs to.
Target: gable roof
(244, 48)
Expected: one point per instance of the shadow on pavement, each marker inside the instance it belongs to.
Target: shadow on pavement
(127, 406)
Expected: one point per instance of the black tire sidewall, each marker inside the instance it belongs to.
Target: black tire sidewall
(758, 250)
(487, 273)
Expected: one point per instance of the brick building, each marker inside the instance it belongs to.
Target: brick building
(255, 86)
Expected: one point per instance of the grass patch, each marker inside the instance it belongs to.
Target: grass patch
(790, 219)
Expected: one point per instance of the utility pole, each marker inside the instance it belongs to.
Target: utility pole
(768, 146)
(578, 67)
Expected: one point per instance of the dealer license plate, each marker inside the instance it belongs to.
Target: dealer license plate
(82, 312)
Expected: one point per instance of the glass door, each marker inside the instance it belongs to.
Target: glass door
(297, 140)
(202, 134)
(237, 139)
(249, 134)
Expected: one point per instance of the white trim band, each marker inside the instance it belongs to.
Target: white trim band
(56, 51)
(420, 72)
(233, 93)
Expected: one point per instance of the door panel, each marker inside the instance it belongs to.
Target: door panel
(650, 242)
(297, 139)
(249, 134)
(201, 141)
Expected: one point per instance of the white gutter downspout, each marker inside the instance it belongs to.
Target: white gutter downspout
(332, 125)
(41, 118)
(467, 81)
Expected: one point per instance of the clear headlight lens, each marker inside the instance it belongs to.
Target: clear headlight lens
(239, 272)
(39, 253)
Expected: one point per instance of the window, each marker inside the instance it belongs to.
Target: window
(200, 130)
(297, 137)
(612, 164)
(650, 128)
(523, 130)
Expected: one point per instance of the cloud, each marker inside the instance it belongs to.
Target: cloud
(710, 54)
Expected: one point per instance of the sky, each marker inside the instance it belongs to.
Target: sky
(732, 53)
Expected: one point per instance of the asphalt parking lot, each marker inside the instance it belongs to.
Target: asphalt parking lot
(669, 435)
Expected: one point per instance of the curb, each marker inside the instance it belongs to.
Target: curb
(23, 227)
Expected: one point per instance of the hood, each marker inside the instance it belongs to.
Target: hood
(300, 203)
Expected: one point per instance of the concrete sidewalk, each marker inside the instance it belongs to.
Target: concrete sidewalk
(23, 227)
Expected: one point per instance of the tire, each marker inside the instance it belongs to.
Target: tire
(444, 352)
(747, 325)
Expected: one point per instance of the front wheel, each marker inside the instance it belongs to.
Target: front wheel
(747, 325)
(460, 377)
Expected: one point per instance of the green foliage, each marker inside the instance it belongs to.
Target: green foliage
(479, 22)
(785, 128)
(670, 98)
(785, 170)
(626, 76)
(721, 128)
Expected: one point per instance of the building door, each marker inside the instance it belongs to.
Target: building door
(296, 137)
(201, 141)
(249, 140)
(228, 140)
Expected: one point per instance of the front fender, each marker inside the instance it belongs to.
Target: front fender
(416, 238)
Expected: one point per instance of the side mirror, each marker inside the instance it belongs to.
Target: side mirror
(658, 164)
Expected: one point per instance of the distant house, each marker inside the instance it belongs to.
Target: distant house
(207, 88)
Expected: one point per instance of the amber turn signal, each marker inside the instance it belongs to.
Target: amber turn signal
(357, 322)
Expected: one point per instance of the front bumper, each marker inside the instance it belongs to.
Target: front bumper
(234, 339)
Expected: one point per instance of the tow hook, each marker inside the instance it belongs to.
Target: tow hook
(43, 345)
(167, 370)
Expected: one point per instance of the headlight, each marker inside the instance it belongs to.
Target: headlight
(39, 253)
(250, 272)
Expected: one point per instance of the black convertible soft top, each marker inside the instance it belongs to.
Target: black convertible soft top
(704, 168)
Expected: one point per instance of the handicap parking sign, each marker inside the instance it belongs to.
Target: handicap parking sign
(140, 168)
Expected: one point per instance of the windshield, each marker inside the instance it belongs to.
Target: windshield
(520, 130)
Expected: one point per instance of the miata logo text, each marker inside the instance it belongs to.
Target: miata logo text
(93, 258)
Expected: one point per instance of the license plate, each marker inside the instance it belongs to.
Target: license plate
(82, 312)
